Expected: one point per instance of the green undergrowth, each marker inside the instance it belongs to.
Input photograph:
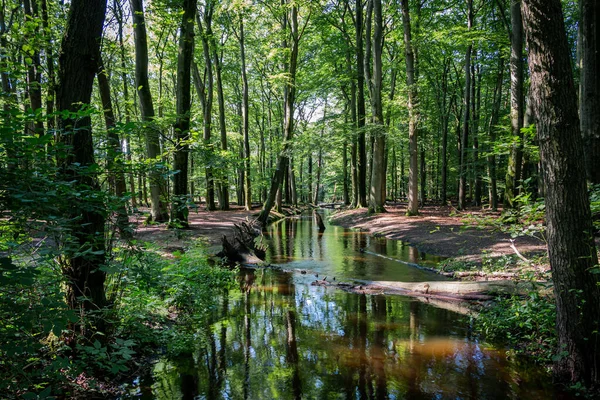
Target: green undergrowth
(526, 324)
(157, 305)
(508, 263)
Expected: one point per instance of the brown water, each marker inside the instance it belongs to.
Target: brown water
(278, 337)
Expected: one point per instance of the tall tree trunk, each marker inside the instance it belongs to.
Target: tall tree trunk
(78, 64)
(476, 105)
(345, 173)
(513, 170)
(377, 198)
(179, 208)
(117, 6)
(445, 125)
(290, 97)
(413, 115)
(116, 176)
(206, 97)
(245, 121)
(571, 246)
(589, 103)
(361, 159)
(34, 75)
(223, 181)
(51, 75)
(492, 131)
(464, 142)
(157, 182)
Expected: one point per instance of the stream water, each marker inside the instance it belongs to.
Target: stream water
(279, 337)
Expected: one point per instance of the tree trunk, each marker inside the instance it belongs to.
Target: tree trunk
(245, 121)
(476, 105)
(34, 75)
(571, 247)
(290, 97)
(464, 142)
(116, 176)
(206, 97)
(157, 181)
(445, 124)
(78, 64)
(589, 104)
(51, 85)
(223, 181)
(377, 198)
(361, 159)
(513, 171)
(413, 115)
(345, 173)
(492, 130)
(181, 128)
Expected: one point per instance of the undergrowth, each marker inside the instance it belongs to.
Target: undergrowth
(526, 324)
(157, 305)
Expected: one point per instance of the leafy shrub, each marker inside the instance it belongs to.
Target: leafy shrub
(527, 324)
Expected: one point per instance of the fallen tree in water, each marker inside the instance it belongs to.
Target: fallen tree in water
(247, 245)
(478, 290)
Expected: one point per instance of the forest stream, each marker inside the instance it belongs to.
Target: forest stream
(280, 336)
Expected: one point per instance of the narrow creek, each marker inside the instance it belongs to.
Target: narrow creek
(279, 337)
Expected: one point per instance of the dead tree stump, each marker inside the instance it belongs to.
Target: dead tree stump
(246, 246)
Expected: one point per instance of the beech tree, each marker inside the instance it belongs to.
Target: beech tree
(413, 113)
(77, 67)
(571, 246)
(179, 208)
(157, 181)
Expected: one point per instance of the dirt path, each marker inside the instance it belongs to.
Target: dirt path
(439, 231)
(209, 226)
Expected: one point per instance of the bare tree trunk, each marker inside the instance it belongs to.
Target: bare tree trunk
(571, 246)
(78, 64)
(413, 115)
(157, 181)
(181, 128)
(51, 85)
(116, 176)
(377, 198)
(513, 171)
(223, 181)
(361, 159)
(492, 130)
(245, 121)
(34, 75)
(290, 97)
(464, 142)
(205, 89)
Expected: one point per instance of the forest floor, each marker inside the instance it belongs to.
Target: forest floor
(467, 238)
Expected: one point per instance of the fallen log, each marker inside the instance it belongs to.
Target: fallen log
(476, 290)
(245, 248)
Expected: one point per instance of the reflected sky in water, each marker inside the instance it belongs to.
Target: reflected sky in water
(277, 337)
(295, 243)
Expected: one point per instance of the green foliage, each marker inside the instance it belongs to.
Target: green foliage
(528, 324)
(595, 205)
(167, 303)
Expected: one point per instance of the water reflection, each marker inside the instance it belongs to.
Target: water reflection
(296, 244)
(279, 338)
